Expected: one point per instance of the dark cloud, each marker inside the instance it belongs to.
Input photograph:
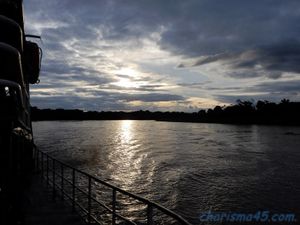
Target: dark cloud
(271, 91)
(224, 88)
(213, 58)
(288, 87)
(194, 27)
(270, 61)
(151, 97)
(154, 97)
(249, 39)
(194, 84)
(99, 100)
(211, 27)
(76, 102)
(231, 99)
(150, 88)
(284, 57)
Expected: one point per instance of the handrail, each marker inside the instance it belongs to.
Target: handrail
(65, 183)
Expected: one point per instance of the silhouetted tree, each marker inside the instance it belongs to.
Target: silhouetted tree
(263, 112)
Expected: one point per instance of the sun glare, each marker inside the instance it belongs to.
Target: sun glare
(126, 83)
(125, 76)
(127, 72)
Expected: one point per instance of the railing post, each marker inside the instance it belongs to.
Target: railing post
(114, 199)
(37, 161)
(149, 214)
(62, 182)
(73, 189)
(42, 164)
(89, 199)
(47, 170)
(53, 178)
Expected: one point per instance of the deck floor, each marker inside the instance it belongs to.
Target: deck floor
(41, 209)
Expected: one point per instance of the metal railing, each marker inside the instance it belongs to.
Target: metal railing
(97, 201)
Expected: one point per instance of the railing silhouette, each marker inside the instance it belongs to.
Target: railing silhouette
(97, 201)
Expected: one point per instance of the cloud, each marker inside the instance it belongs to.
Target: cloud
(270, 61)
(152, 97)
(77, 102)
(288, 87)
(271, 91)
(194, 28)
(208, 27)
(101, 101)
(87, 43)
(155, 97)
(194, 84)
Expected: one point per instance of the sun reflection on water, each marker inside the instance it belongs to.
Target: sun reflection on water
(126, 132)
(127, 161)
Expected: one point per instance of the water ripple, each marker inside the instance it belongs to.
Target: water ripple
(187, 167)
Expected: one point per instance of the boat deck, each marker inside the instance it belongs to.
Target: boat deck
(41, 208)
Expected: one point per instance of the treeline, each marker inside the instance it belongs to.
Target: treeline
(243, 112)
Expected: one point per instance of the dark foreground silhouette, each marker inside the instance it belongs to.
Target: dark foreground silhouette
(243, 112)
(20, 60)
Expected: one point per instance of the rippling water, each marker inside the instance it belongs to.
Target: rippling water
(187, 167)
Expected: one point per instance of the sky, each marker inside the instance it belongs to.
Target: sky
(167, 55)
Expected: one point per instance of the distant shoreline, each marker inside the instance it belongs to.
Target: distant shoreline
(245, 113)
(171, 121)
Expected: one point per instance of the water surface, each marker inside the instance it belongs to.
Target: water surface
(187, 167)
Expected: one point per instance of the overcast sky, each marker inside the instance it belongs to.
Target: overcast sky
(178, 55)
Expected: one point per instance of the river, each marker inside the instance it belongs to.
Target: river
(190, 168)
